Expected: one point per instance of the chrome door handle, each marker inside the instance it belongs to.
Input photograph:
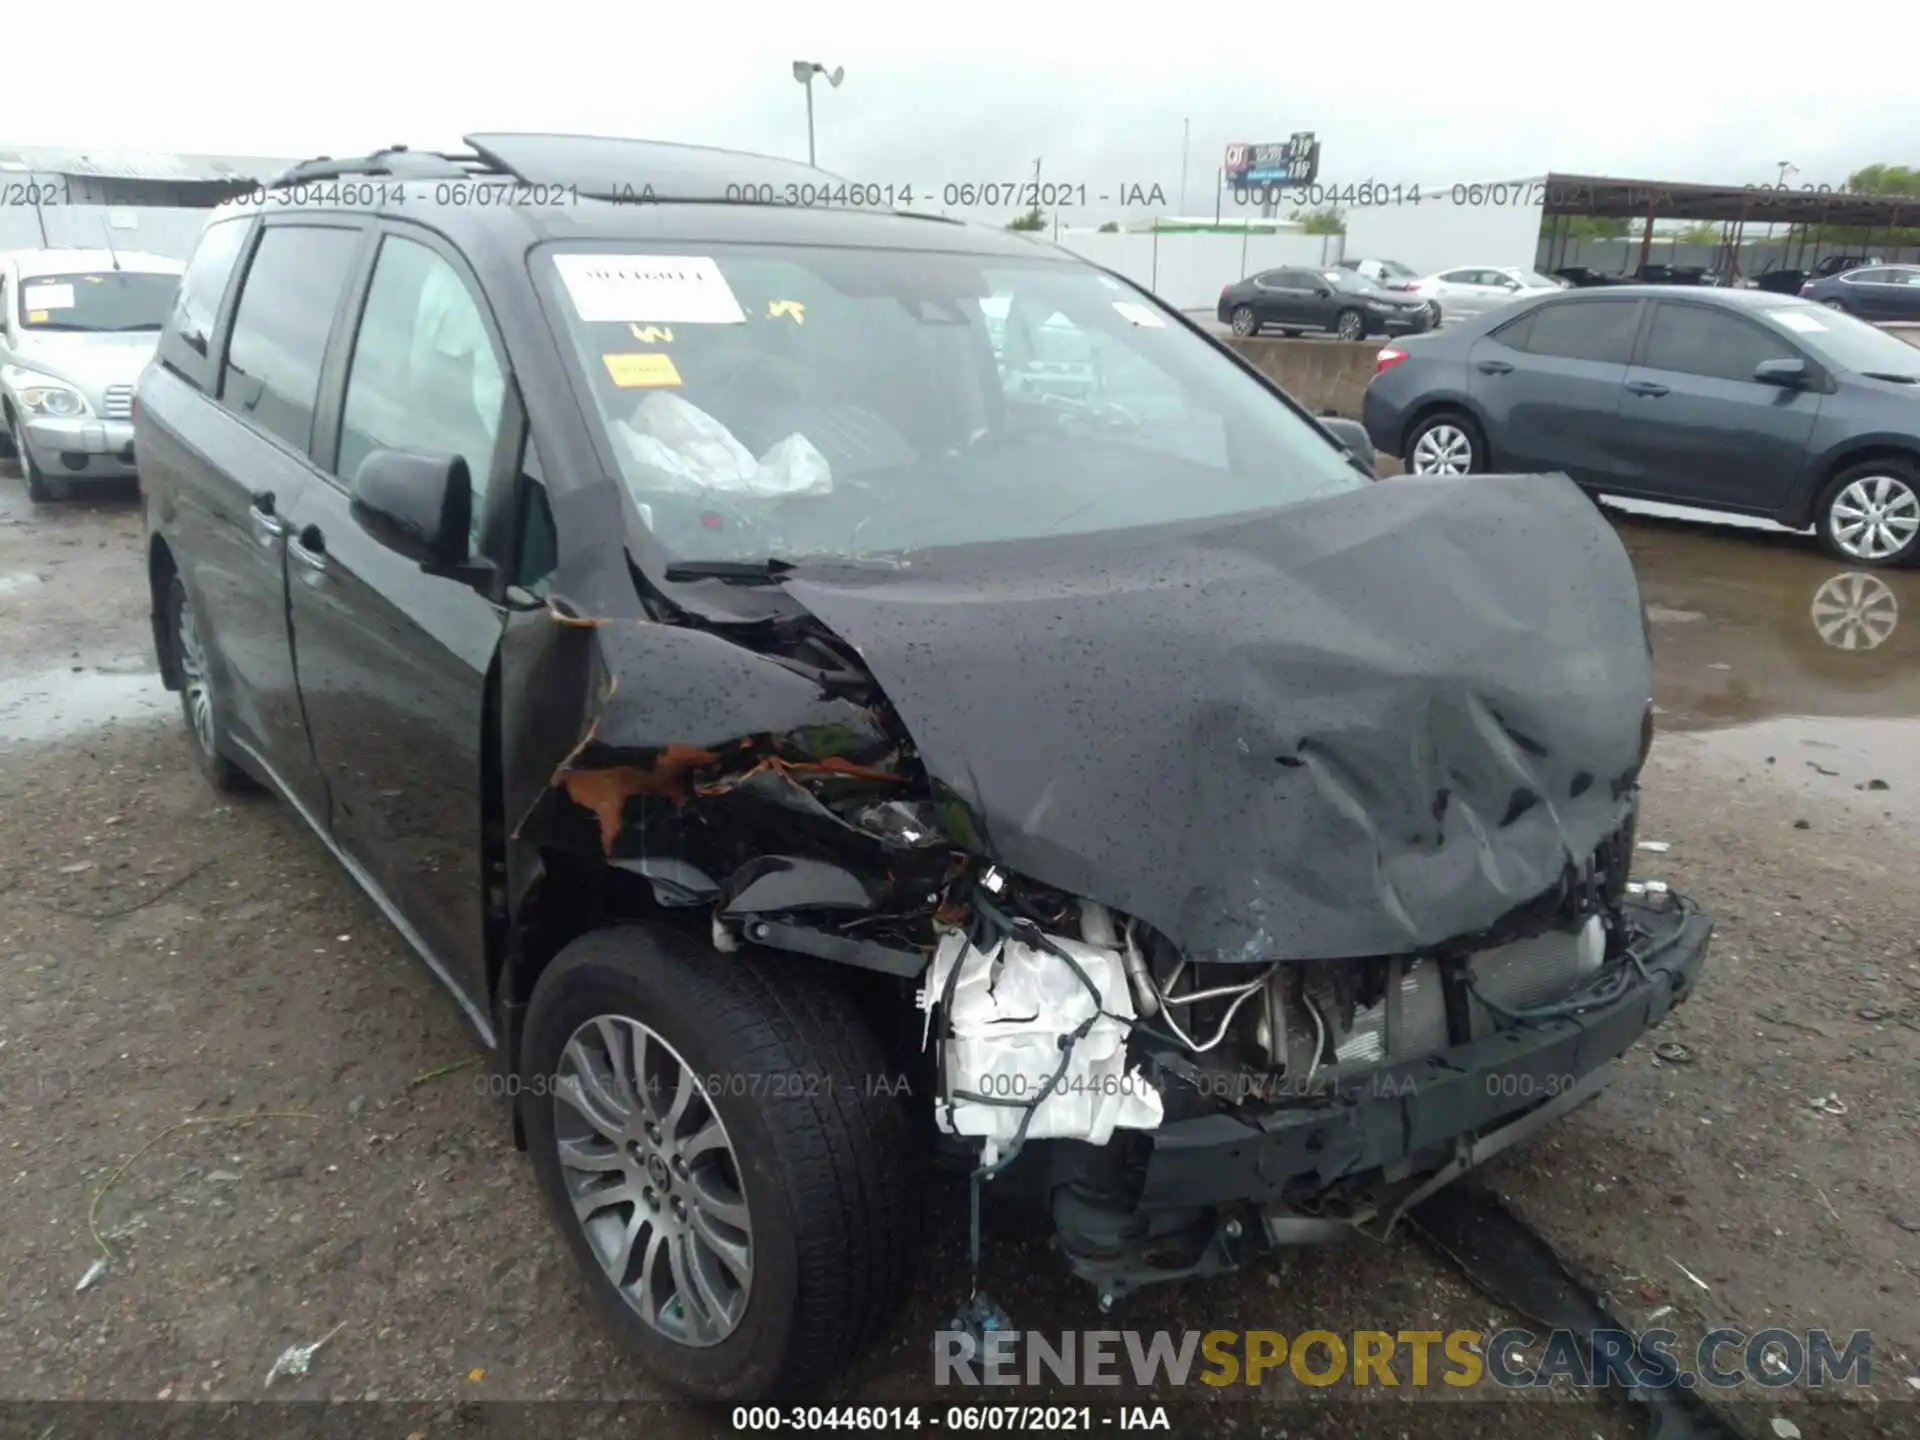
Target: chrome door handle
(266, 527)
(309, 549)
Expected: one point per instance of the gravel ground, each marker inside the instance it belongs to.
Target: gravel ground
(174, 964)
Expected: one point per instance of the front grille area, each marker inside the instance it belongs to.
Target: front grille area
(1410, 1020)
(118, 403)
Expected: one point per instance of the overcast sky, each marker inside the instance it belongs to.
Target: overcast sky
(977, 91)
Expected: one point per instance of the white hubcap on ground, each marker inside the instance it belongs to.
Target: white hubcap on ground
(1875, 517)
(1855, 611)
(1443, 450)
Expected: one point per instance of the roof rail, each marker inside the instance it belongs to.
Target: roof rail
(396, 161)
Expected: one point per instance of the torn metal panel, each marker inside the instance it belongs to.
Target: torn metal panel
(1012, 1010)
(1364, 725)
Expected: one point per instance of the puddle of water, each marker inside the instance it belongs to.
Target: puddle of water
(58, 704)
(1749, 626)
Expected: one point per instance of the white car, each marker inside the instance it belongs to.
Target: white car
(1476, 289)
(1387, 274)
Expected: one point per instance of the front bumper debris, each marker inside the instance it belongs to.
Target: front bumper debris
(1439, 1115)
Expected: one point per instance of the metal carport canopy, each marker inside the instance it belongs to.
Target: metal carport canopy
(1678, 200)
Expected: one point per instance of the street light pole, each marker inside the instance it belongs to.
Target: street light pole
(804, 71)
(1186, 136)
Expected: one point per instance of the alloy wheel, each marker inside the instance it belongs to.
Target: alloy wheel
(194, 682)
(1243, 321)
(1875, 517)
(1442, 450)
(1855, 611)
(654, 1180)
(1349, 326)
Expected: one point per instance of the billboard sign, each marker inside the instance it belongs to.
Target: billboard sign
(1295, 161)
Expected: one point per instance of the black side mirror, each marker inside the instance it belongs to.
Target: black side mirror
(1353, 435)
(1787, 374)
(417, 505)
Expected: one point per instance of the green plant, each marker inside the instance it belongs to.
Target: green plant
(1320, 222)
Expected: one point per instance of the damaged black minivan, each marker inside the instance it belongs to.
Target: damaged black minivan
(834, 692)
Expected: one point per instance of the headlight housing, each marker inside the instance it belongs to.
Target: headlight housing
(43, 395)
(57, 400)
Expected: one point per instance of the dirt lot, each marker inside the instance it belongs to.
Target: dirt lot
(172, 961)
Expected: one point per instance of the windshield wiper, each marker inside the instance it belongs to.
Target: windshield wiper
(733, 572)
(1889, 375)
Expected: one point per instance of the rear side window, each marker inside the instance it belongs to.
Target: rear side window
(1599, 330)
(196, 305)
(1870, 277)
(287, 302)
(1696, 341)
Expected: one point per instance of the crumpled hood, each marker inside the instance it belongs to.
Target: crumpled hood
(1358, 726)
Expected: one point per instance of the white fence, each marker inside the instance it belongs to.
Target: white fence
(1189, 271)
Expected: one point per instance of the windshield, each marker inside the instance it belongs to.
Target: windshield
(1393, 269)
(97, 300)
(1349, 280)
(1843, 342)
(758, 402)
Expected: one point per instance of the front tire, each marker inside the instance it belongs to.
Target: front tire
(1869, 514)
(193, 664)
(1350, 325)
(1245, 322)
(1445, 443)
(42, 488)
(719, 1146)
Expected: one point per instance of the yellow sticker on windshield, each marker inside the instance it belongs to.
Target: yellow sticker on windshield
(796, 308)
(36, 317)
(650, 334)
(639, 372)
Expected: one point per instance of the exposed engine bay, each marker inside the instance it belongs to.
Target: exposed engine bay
(1313, 827)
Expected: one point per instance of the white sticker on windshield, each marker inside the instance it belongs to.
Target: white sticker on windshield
(1139, 314)
(649, 289)
(46, 297)
(1109, 282)
(1799, 320)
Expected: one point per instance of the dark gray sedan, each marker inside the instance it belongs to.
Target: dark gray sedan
(1736, 400)
(1297, 299)
(1876, 292)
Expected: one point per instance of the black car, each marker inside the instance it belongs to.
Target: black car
(1586, 277)
(809, 749)
(1295, 300)
(1787, 281)
(1880, 293)
(1733, 400)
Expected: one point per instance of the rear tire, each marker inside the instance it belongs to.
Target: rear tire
(814, 1154)
(1245, 323)
(199, 701)
(1445, 442)
(1869, 514)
